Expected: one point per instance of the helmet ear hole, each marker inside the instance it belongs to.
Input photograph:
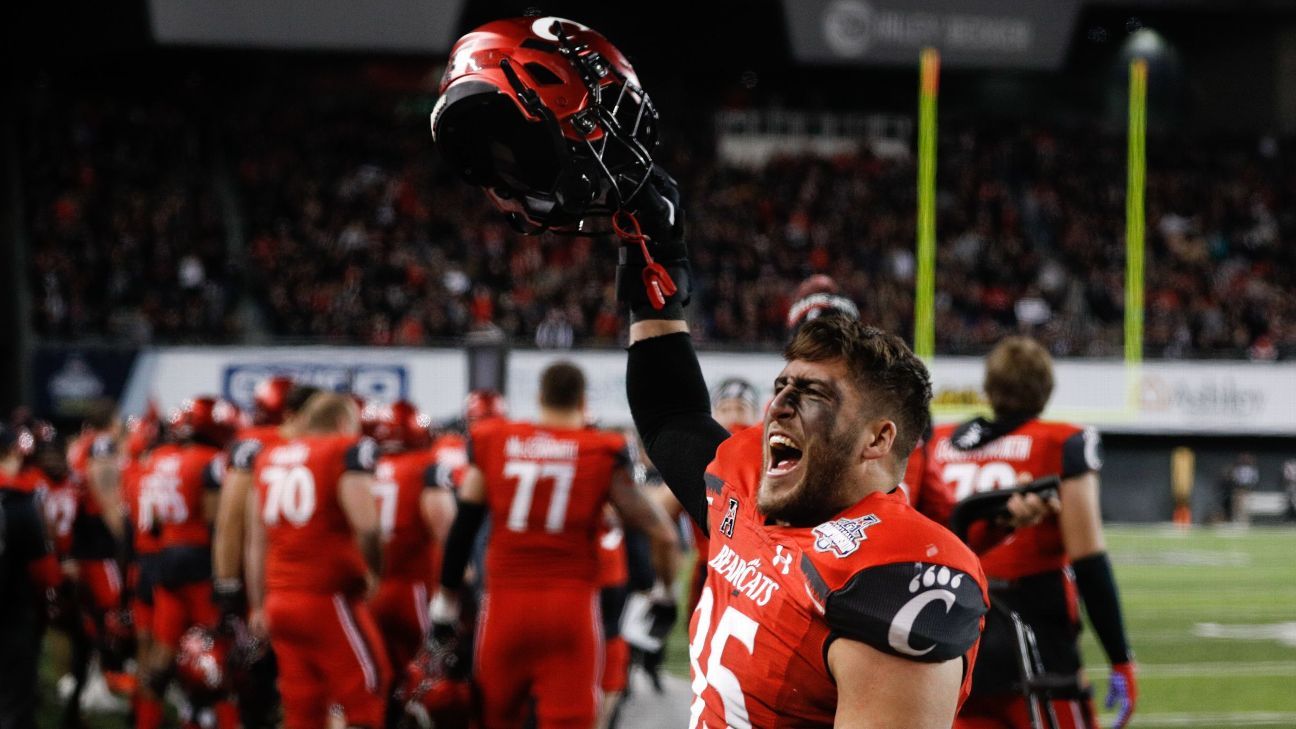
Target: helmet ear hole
(578, 186)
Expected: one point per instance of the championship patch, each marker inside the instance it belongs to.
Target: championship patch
(843, 536)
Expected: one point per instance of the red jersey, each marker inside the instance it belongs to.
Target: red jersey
(310, 546)
(250, 442)
(980, 455)
(545, 488)
(399, 481)
(147, 539)
(62, 500)
(173, 481)
(613, 564)
(776, 596)
(450, 454)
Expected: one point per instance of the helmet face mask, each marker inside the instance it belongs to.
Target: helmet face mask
(548, 117)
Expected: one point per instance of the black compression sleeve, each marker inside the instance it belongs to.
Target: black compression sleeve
(1097, 586)
(672, 411)
(459, 543)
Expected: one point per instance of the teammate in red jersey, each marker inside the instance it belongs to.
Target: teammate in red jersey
(143, 435)
(1043, 566)
(546, 483)
(314, 550)
(179, 486)
(450, 450)
(414, 514)
(95, 461)
(275, 404)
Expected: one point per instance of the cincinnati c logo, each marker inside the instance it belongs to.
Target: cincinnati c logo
(898, 635)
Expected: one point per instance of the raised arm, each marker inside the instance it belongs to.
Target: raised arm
(672, 411)
(667, 394)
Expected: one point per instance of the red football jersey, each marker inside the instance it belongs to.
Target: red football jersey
(173, 481)
(147, 539)
(980, 455)
(310, 546)
(613, 565)
(877, 572)
(450, 454)
(399, 481)
(62, 500)
(249, 442)
(545, 489)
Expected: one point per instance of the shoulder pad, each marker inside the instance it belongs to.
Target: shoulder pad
(1081, 453)
(244, 453)
(922, 611)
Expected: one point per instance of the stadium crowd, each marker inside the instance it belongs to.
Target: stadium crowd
(355, 233)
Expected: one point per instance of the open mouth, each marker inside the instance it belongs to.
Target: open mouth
(785, 455)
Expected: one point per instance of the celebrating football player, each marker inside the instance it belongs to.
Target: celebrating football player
(414, 514)
(829, 600)
(314, 552)
(179, 487)
(539, 635)
(1042, 567)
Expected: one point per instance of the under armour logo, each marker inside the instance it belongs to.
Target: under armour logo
(782, 561)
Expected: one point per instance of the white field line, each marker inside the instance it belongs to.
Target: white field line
(1216, 719)
(1220, 669)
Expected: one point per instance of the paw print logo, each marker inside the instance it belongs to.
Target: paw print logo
(931, 583)
(935, 576)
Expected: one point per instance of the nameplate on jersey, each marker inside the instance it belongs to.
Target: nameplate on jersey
(541, 448)
(842, 537)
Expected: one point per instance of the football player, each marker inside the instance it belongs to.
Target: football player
(314, 552)
(143, 435)
(1043, 566)
(414, 515)
(546, 485)
(275, 403)
(179, 487)
(450, 449)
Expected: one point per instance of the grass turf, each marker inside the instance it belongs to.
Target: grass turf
(1211, 614)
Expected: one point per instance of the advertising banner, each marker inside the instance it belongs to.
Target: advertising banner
(1158, 397)
(969, 33)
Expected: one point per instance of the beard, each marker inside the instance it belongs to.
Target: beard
(823, 489)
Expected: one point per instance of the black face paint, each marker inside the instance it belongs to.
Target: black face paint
(812, 408)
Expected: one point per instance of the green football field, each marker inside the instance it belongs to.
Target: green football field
(1212, 617)
(1211, 613)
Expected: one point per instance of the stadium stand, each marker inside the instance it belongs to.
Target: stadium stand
(353, 233)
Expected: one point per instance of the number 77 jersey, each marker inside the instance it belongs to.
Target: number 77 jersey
(545, 491)
(777, 596)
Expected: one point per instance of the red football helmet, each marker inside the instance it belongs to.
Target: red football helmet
(482, 404)
(436, 690)
(396, 427)
(200, 664)
(816, 296)
(34, 436)
(548, 117)
(142, 433)
(270, 399)
(211, 420)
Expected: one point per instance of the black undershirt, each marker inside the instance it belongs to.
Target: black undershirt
(672, 411)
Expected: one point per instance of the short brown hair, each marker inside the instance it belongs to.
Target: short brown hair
(1018, 378)
(325, 412)
(883, 368)
(562, 386)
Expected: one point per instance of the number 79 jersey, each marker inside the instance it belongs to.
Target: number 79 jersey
(776, 597)
(545, 491)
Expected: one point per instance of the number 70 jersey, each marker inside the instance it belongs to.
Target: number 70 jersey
(776, 597)
(545, 490)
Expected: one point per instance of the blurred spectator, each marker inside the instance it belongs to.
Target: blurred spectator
(1236, 482)
(355, 233)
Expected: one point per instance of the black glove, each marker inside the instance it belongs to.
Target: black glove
(228, 595)
(653, 274)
